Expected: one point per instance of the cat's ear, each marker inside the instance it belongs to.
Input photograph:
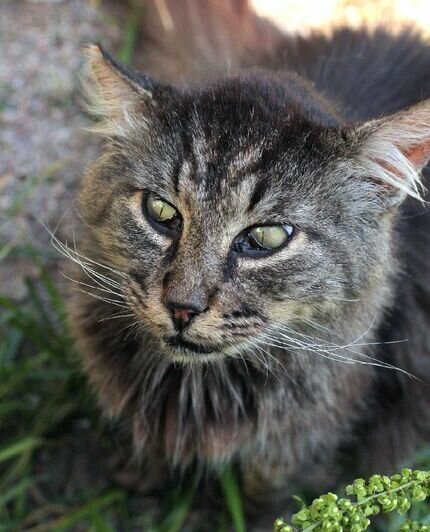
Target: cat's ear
(394, 150)
(116, 97)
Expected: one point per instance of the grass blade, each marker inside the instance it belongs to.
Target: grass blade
(20, 447)
(84, 513)
(233, 499)
(16, 491)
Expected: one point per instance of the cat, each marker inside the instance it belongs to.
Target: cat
(254, 264)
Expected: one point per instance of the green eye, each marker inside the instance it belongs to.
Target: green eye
(163, 216)
(271, 236)
(160, 210)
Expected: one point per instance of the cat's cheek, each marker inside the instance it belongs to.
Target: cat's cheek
(288, 311)
(145, 303)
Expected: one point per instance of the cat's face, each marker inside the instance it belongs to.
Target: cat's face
(218, 170)
(234, 217)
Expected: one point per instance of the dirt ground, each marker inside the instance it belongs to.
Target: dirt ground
(43, 146)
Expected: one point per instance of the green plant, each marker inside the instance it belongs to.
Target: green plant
(365, 500)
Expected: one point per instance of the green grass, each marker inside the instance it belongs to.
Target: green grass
(131, 33)
(43, 397)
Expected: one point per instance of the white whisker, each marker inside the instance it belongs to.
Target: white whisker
(116, 317)
(105, 299)
(92, 286)
(330, 350)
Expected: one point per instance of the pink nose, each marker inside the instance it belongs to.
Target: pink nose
(182, 315)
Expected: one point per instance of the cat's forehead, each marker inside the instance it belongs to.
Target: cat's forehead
(233, 131)
(233, 150)
(239, 189)
(229, 184)
(228, 179)
(237, 162)
(227, 118)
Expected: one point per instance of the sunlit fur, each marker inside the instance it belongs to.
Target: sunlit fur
(314, 344)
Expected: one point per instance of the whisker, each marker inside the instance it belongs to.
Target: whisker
(68, 253)
(116, 317)
(91, 286)
(79, 254)
(346, 300)
(132, 328)
(279, 363)
(239, 353)
(88, 259)
(83, 260)
(105, 299)
(331, 350)
(323, 354)
(263, 360)
(348, 347)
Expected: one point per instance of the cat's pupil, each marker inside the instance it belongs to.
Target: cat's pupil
(159, 209)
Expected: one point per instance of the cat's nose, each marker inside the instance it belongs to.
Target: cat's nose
(183, 313)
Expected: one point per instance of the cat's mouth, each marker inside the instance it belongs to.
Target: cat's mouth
(185, 346)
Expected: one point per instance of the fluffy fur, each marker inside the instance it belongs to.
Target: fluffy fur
(313, 346)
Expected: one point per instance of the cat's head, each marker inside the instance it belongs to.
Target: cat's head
(243, 208)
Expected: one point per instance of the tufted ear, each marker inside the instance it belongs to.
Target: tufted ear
(395, 149)
(115, 96)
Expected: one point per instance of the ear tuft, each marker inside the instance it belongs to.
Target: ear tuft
(396, 149)
(112, 94)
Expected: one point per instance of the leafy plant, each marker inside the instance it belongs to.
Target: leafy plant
(365, 500)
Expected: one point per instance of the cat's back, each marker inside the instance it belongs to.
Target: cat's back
(367, 73)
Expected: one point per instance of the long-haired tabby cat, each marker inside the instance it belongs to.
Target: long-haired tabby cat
(255, 261)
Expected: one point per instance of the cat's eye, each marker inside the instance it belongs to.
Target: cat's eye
(160, 210)
(161, 213)
(262, 239)
(269, 236)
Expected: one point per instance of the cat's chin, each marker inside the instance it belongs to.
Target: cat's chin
(184, 351)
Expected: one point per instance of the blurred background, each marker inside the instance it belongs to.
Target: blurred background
(62, 467)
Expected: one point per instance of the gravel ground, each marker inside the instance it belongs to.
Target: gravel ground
(43, 146)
